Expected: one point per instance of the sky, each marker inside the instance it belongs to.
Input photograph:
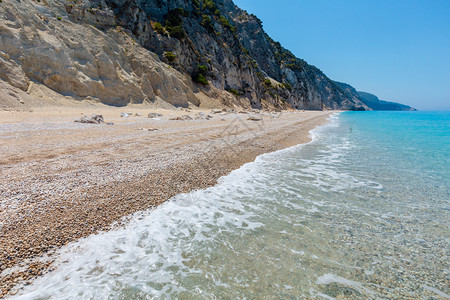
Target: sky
(398, 50)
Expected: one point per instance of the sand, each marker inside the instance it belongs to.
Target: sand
(61, 180)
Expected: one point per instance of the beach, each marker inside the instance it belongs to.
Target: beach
(62, 180)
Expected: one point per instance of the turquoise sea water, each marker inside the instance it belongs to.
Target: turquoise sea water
(362, 212)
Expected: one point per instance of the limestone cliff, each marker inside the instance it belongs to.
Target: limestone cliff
(136, 51)
(351, 93)
(376, 104)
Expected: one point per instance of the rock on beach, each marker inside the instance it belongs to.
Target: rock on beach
(93, 119)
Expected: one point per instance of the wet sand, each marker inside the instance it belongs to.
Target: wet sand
(61, 181)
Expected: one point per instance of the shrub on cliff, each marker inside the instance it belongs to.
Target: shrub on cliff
(287, 86)
(173, 17)
(170, 56)
(199, 76)
(225, 23)
(174, 23)
(202, 69)
(233, 91)
(158, 28)
(209, 5)
(176, 32)
(207, 23)
(196, 3)
(267, 83)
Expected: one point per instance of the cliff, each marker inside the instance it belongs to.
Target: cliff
(137, 51)
(376, 104)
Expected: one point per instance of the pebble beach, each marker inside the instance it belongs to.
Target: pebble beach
(61, 180)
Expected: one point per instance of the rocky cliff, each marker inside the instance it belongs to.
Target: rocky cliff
(136, 51)
(376, 104)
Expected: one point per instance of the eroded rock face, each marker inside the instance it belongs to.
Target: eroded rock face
(114, 51)
(39, 42)
(11, 72)
(239, 55)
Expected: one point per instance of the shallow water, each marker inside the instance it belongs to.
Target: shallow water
(361, 212)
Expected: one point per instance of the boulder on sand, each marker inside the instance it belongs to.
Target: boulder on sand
(147, 129)
(203, 116)
(154, 115)
(182, 118)
(94, 119)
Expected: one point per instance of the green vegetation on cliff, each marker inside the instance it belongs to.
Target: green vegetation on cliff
(199, 75)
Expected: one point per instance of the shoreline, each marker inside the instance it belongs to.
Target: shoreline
(63, 181)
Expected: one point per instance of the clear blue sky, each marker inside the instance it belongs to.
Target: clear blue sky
(398, 50)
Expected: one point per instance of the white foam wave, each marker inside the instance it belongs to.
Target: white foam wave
(152, 249)
(155, 250)
(331, 278)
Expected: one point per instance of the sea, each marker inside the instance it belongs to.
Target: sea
(360, 212)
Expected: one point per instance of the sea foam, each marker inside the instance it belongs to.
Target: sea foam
(338, 216)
